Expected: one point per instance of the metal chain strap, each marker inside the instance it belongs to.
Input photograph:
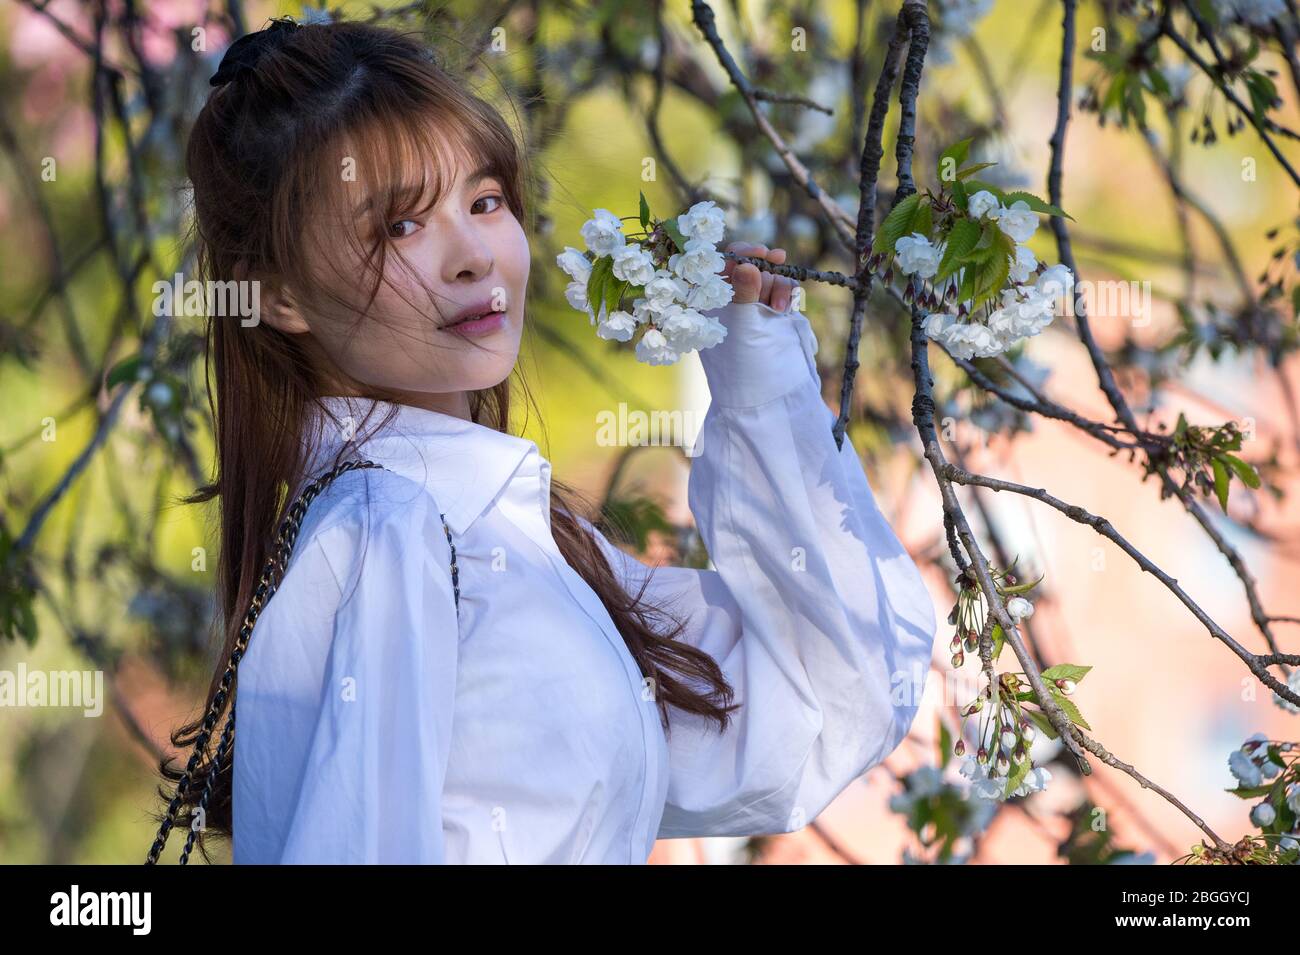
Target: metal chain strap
(276, 564)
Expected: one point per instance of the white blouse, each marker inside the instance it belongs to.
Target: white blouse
(376, 727)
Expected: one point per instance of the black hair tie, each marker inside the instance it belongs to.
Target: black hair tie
(245, 52)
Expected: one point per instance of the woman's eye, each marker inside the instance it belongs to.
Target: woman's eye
(493, 198)
(402, 228)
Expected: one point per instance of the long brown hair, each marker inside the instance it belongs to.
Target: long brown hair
(262, 157)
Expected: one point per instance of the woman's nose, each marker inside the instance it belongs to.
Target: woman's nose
(467, 254)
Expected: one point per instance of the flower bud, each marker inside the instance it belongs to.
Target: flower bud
(1066, 686)
(1003, 764)
(1019, 608)
(958, 658)
(954, 645)
(1263, 815)
(960, 748)
(1009, 738)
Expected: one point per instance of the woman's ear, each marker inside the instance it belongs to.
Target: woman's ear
(276, 303)
(281, 311)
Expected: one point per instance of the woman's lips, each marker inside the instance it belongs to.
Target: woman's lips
(484, 325)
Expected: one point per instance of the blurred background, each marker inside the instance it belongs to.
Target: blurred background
(1167, 188)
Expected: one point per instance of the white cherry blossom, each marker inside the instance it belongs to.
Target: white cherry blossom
(632, 263)
(1023, 265)
(688, 330)
(713, 293)
(700, 261)
(980, 205)
(1018, 221)
(654, 348)
(704, 221)
(603, 233)
(574, 263)
(918, 256)
(619, 326)
(575, 293)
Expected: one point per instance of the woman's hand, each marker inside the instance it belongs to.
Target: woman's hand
(752, 284)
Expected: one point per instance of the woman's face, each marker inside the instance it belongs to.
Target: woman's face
(467, 252)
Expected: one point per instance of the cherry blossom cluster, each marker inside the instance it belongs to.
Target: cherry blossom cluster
(672, 273)
(1267, 770)
(1007, 725)
(1033, 295)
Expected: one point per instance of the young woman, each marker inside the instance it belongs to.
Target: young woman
(457, 666)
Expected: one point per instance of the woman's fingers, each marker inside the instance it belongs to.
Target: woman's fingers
(752, 284)
(746, 279)
(782, 289)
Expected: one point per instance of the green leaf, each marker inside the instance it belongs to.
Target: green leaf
(983, 250)
(896, 224)
(994, 273)
(999, 637)
(952, 158)
(965, 233)
(125, 370)
(674, 233)
(971, 170)
(945, 744)
(959, 197)
(923, 221)
(1043, 723)
(602, 273)
(1244, 471)
(645, 212)
(1250, 792)
(1135, 102)
(1066, 671)
(630, 520)
(1115, 93)
(1220, 482)
(614, 293)
(1068, 705)
(1038, 205)
(27, 620)
(1018, 773)
(1263, 93)
(1018, 589)
(966, 288)
(1277, 791)
(1158, 82)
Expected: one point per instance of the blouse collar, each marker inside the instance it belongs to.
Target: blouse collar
(465, 466)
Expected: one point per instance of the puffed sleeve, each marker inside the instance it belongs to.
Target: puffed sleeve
(816, 614)
(373, 779)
